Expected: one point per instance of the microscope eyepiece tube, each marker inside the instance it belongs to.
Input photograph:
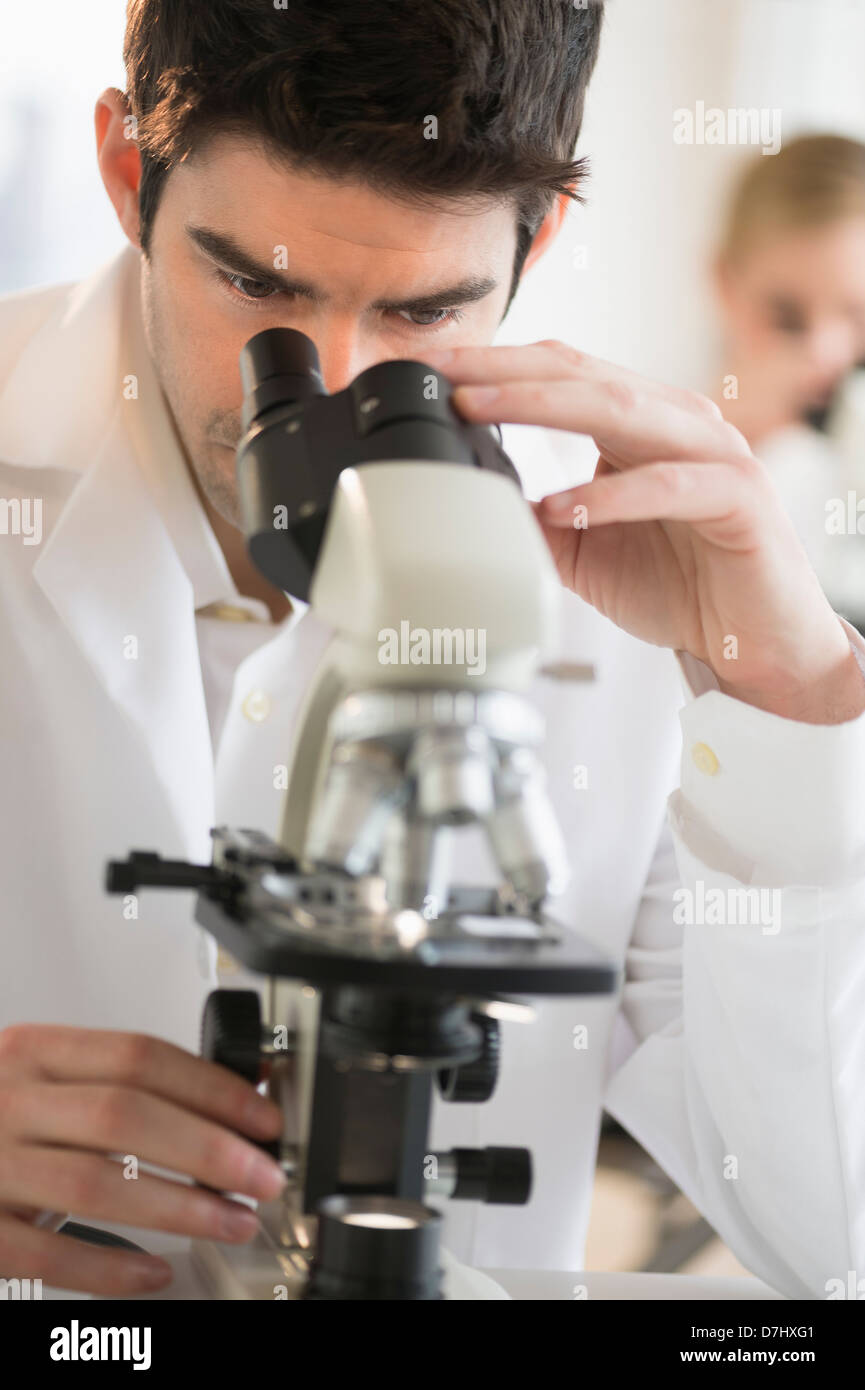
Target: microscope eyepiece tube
(278, 367)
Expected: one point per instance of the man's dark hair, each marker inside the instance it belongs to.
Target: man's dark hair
(344, 88)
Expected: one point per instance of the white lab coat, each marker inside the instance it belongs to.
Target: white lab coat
(738, 1044)
(816, 474)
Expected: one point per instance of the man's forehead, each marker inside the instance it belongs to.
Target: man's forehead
(237, 181)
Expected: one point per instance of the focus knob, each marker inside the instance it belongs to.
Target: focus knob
(498, 1175)
(475, 1081)
(231, 1031)
(231, 1037)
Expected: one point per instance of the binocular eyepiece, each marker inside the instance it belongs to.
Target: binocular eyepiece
(278, 367)
(297, 440)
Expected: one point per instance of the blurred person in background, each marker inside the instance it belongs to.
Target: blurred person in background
(790, 277)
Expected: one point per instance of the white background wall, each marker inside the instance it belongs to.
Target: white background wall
(654, 205)
(56, 56)
(648, 230)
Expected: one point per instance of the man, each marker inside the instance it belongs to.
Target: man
(270, 167)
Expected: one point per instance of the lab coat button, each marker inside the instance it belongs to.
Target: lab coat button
(256, 706)
(225, 964)
(705, 759)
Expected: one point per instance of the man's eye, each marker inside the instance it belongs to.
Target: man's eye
(260, 289)
(429, 318)
(250, 289)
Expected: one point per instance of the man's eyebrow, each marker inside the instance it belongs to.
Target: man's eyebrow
(232, 257)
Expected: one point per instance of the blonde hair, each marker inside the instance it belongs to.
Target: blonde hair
(814, 180)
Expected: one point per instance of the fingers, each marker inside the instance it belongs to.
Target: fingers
(121, 1119)
(26, 1253)
(708, 496)
(68, 1096)
(133, 1059)
(631, 425)
(89, 1185)
(550, 361)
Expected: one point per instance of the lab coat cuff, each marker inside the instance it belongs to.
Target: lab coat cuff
(769, 799)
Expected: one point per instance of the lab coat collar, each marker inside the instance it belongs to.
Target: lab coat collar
(89, 364)
(111, 566)
(66, 382)
(111, 572)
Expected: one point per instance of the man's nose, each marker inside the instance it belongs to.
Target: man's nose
(344, 354)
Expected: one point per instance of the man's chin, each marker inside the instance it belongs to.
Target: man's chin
(218, 485)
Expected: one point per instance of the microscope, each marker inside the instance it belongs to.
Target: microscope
(405, 529)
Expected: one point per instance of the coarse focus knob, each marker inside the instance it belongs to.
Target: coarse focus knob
(231, 1036)
(231, 1031)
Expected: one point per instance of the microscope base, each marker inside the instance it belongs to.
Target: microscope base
(244, 1272)
(255, 1272)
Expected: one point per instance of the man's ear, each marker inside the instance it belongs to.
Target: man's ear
(548, 230)
(119, 163)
